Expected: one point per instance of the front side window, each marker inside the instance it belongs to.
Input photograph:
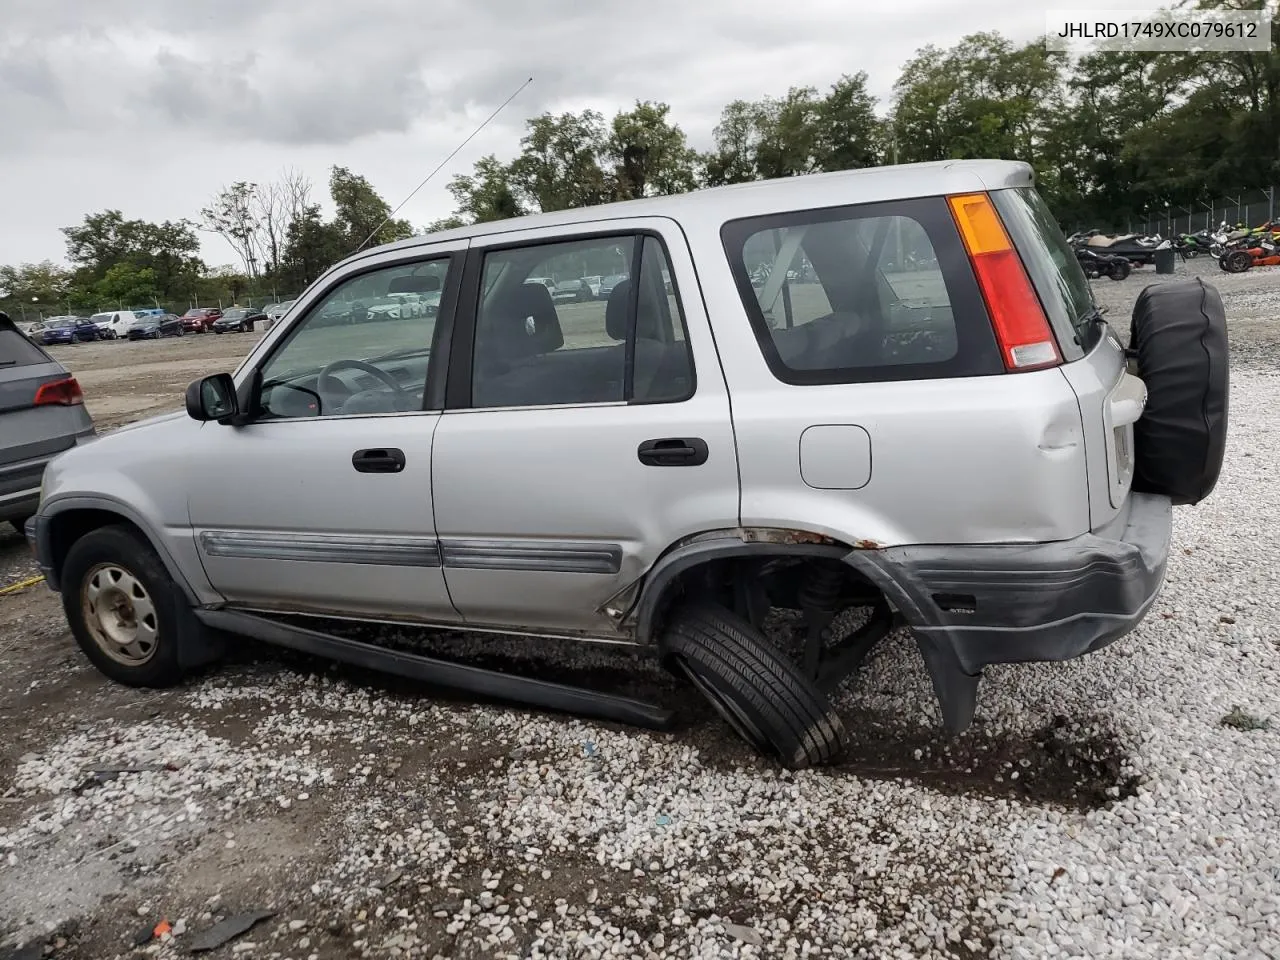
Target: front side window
(875, 292)
(363, 349)
(550, 332)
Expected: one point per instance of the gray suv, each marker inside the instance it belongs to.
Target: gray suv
(42, 413)
(841, 404)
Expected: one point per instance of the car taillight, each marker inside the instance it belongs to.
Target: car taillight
(64, 393)
(1021, 327)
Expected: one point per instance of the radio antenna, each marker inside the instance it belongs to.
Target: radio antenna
(441, 164)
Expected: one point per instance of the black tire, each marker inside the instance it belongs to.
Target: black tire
(121, 547)
(1236, 261)
(1119, 270)
(756, 690)
(1179, 334)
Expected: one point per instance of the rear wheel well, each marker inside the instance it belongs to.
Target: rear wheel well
(754, 582)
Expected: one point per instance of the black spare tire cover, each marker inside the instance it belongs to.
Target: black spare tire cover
(1179, 335)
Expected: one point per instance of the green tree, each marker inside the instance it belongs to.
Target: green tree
(169, 249)
(650, 154)
(559, 166)
(486, 194)
(311, 246)
(360, 211)
(849, 135)
(126, 285)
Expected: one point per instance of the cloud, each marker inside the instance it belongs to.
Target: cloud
(151, 105)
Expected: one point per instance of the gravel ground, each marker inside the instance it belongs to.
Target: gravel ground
(1116, 806)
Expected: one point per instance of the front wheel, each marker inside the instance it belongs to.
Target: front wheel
(123, 608)
(1119, 270)
(757, 691)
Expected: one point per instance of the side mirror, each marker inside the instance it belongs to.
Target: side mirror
(212, 398)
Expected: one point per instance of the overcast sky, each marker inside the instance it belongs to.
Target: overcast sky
(150, 106)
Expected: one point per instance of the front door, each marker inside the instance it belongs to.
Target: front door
(587, 428)
(323, 503)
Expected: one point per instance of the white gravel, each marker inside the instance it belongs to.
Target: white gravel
(460, 830)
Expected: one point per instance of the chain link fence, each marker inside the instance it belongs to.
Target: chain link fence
(1249, 207)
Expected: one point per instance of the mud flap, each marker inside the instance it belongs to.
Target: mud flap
(956, 690)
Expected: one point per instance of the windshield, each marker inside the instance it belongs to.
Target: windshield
(1052, 265)
(101, 318)
(198, 312)
(60, 324)
(236, 314)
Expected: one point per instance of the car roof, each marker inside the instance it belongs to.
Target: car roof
(762, 197)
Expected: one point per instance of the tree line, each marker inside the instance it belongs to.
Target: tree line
(1110, 135)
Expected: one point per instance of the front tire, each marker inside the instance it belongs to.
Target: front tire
(1119, 270)
(124, 609)
(757, 691)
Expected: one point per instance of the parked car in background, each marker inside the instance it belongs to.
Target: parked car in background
(30, 328)
(42, 413)
(608, 283)
(114, 323)
(200, 319)
(153, 327)
(69, 330)
(275, 312)
(573, 291)
(240, 319)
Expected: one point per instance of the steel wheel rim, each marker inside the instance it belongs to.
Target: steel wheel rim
(119, 614)
(727, 710)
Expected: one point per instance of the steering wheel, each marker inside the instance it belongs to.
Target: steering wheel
(326, 378)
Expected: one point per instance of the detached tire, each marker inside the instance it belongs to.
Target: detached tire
(126, 613)
(1179, 334)
(754, 689)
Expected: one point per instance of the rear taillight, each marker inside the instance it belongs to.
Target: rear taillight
(64, 393)
(1021, 327)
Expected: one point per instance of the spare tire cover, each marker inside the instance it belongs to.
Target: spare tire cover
(1179, 335)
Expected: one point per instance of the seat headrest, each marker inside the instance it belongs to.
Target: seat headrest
(525, 321)
(428, 283)
(647, 317)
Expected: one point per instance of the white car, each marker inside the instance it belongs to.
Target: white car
(114, 324)
(276, 311)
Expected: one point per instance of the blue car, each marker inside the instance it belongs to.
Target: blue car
(68, 330)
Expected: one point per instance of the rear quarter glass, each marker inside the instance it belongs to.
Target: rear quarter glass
(1055, 272)
(872, 292)
(17, 351)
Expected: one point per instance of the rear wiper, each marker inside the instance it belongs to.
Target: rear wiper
(8, 363)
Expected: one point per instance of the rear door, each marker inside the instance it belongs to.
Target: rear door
(582, 437)
(33, 425)
(1111, 399)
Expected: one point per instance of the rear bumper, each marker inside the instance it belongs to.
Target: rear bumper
(979, 605)
(20, 482)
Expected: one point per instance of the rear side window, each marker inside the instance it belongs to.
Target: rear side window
(17, 351)
(1052, 265)
(867, 293)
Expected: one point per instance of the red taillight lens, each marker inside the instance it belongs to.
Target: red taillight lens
(1021, 327)
(65, 393)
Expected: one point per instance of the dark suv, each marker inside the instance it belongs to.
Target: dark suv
(42, 413)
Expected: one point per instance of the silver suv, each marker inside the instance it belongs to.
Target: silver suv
(857, 400)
